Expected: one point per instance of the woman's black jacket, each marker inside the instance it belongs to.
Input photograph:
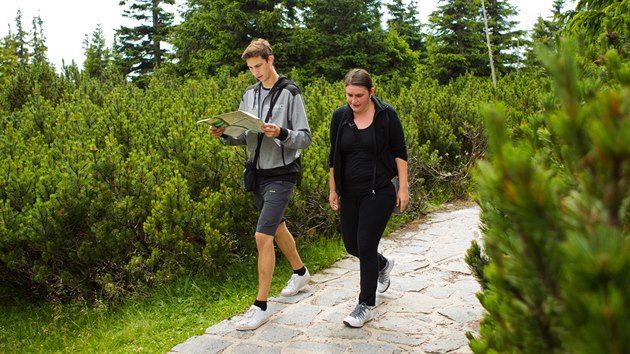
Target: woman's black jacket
(390, 138)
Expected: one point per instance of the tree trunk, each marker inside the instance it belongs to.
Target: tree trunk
(156, 29)
(485, 20)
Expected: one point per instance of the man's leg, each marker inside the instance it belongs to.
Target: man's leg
(272, 199)
(286, 243)
(300, 277)
(257, 313)
(266, 264)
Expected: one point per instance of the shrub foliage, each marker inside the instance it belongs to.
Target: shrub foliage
(106, 188)
(555, 197)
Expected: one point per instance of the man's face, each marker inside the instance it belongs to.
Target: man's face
(260, 67)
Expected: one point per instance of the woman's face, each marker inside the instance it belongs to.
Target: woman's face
(358, 97)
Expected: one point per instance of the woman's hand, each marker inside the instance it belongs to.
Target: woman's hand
(333, 200)
(402, 199)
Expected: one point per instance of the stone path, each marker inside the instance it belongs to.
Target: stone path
(428, 308)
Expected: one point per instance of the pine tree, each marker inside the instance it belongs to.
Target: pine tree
(555, 198)
(558, 18)
(214, 33)
(9, 61)
(38, 41)
(457, 44)
(97, 55)
(337, 35)
(546, 33)
(347, 33)
(21, 40)
(604, 24)
(34, 77)
(504, 38)
(141, 46)
(404, 20)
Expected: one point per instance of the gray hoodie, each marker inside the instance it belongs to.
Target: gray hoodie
(289, 113)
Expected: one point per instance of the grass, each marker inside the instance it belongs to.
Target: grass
(154, 323)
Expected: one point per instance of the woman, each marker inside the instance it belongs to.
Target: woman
(367, 150)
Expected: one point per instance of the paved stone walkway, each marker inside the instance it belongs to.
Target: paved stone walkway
(428, 308)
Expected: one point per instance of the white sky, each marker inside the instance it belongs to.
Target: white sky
(66, 22)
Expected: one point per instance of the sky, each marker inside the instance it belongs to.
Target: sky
(67, 22)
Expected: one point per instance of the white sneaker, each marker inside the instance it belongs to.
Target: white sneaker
(361, 314)
(383, 276)
(252, 319)
(295, 284)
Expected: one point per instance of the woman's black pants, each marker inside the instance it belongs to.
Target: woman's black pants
(363, 221)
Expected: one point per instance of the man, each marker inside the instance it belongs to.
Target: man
(285, 133)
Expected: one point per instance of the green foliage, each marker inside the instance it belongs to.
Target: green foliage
(214, 34)
(346, 34)
(547, 31)
(477, 261)
(92, 196)
(147, 322)
(141, 46)
(404, 21)
(322, 38)
(505, 40)
(458, 43)
(434, 135)
(106, 188)
(554, 197)
(8, 60)
(98, 59)
(30, 81)
(325, 39)
(38, 42)
(604, 23)
(21, 40)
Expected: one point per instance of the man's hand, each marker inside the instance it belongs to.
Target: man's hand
(216, 132)
(271, 130)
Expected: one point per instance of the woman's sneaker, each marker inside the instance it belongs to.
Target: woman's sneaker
(295, 284)
(252, 319)
(383, 276)
(359, 316)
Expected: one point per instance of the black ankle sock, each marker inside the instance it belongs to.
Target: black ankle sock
(261, 304)
(300, 271)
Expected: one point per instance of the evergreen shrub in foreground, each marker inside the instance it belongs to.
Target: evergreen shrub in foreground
(555, 200)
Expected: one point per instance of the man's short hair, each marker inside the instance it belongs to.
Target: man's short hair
(258, 48)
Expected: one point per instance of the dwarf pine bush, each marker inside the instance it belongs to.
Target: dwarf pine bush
(555, 198)
(106, 188)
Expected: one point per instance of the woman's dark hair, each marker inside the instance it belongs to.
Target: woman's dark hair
(358, 77)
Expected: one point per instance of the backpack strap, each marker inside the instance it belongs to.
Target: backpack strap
(275, 93)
